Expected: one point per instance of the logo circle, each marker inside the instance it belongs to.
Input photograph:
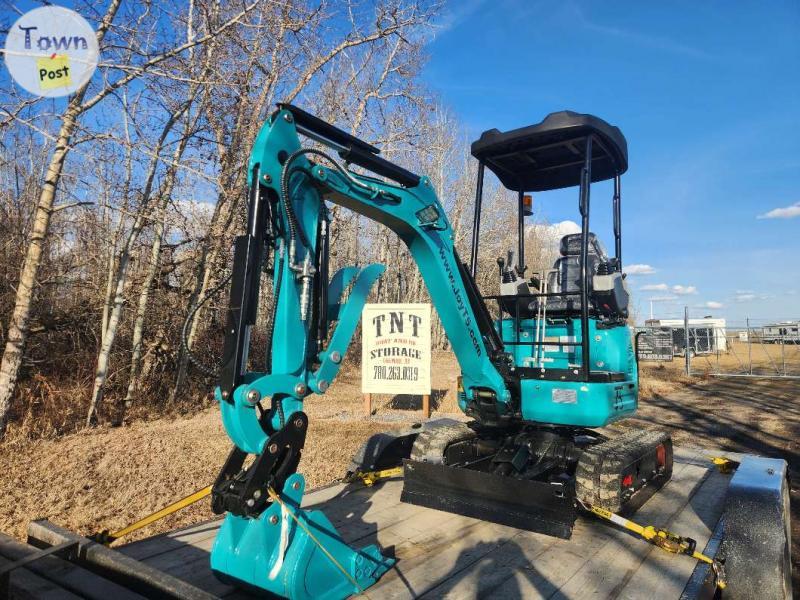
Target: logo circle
(51, 51)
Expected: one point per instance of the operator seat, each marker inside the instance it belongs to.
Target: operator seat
(608, 294)
(567, 271)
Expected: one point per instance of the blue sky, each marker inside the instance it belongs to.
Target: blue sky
(707, 95)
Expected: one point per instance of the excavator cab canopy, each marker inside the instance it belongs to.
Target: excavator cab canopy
(566, 149)
(551, 154)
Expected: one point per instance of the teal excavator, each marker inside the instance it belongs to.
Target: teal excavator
(539, 377)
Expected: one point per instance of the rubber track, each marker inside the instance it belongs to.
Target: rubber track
(431, 444)
(599, 471)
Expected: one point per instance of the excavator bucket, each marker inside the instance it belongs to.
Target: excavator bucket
(538, 506)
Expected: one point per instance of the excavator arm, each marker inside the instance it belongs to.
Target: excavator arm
(287, 230)
(311, 324)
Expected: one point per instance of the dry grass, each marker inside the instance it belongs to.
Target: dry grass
(662, 379)
(109, 477)
(765, 358)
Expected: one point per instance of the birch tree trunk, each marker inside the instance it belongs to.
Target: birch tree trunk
(18, 326)
(121, 275)
(112, 250)
(152, 270)
(141, 308)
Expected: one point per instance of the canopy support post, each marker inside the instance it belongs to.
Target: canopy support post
(618, 221)
(586, 179)
(521, 233)
(476, 224)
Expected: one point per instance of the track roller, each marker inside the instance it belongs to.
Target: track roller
(620, 474)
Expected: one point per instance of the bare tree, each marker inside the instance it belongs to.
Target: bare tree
(302, 48)
(77, 106)
(120, 278)
(164, 163)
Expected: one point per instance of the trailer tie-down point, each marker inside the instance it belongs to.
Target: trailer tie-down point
(662, 538)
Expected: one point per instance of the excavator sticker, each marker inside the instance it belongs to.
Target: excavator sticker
(460, 302)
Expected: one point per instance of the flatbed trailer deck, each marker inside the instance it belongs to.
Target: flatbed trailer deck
(445, 555)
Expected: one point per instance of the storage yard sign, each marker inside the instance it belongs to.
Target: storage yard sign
(653, 344)
(396, 349)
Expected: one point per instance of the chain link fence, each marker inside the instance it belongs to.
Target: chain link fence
(753, 347)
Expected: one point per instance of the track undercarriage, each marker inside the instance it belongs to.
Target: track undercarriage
(534, 477)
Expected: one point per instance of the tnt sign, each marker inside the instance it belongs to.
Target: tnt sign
(396, 349)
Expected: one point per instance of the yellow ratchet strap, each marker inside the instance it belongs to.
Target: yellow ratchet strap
(104, 537)
(370, 478)
(724, 465)
(662, 538)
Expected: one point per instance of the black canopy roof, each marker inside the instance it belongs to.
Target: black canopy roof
(550, 154)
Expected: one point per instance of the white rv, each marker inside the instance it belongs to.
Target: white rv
(787, 332)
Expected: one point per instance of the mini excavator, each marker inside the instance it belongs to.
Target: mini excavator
(540, 377)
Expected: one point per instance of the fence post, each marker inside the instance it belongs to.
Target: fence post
(686, 340)
(750, 348)
(783, 355)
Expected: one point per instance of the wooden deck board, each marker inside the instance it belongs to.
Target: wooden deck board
(24, 584)
(59, 574)
(570, 566)
(441, 555)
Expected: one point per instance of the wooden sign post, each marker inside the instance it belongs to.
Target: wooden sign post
(396, 352)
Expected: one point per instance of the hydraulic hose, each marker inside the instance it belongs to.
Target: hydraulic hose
(295, 231)
(274, 311)
(202, 367)
(286, 173)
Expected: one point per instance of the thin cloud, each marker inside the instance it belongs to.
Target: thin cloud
(453, 17)
(563, 228)
(684, 290)
(712, 304)
(663, 298)
(551, 234)
(786, 212)
(639, 269)
(750, 296)
(655, 287)
(636, 37)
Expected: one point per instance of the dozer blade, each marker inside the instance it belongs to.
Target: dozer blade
(531, 505)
